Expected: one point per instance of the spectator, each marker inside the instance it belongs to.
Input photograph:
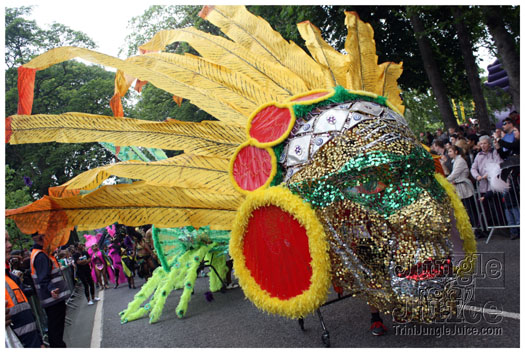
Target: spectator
(507, 145)
(511, 174)
(472, 146)
(460, 178)
(451, 131)
(62, 259)
(485, 165)
(485, 159)
(18, 311)
(464, 148)
(51, 289)
(515, 118)
(82, 261)
(430, 138)
(421, 137)
(439, 149)
(440, 136)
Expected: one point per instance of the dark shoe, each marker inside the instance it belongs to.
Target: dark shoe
(377, 328)
(514, 236)
(480, 234)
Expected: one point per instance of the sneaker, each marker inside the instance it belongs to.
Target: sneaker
(232, 285)
(96, 299)
(90, 302)
(377, 328)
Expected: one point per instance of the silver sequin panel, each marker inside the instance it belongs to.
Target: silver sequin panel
(308, 136)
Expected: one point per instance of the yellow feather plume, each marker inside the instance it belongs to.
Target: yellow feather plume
(231, 88)
(276, 79)
(389, 73)
(363, 71)
(133, 204)
(146, 71)
(256, 35)
(186, 171)
(216, 139)
(323, 53)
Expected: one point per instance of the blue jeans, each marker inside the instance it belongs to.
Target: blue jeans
(513, 218)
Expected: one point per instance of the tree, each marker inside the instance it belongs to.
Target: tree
(16, 195)
(465, 43)
(432, 70)
(506, 50)
(24, 39)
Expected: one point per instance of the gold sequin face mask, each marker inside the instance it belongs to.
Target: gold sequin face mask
(388, 223)
(372, 186)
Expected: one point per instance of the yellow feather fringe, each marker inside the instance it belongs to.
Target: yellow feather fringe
(463, 224)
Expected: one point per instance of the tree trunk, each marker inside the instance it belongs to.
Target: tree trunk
(506, 49)
(474, 82)
(432, 70)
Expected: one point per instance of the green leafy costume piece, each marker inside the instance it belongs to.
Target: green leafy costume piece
(181, 252)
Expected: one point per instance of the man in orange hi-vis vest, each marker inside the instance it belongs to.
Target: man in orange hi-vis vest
(18, 311)
(51, 289)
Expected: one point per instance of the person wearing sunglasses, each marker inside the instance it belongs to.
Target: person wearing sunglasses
(508, 145)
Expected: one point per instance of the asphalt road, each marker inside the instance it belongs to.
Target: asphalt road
(232, 321)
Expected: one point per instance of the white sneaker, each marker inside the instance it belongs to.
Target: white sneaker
(90, 302)
(96, 299)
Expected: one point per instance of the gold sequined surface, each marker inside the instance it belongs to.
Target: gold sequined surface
(387, 219)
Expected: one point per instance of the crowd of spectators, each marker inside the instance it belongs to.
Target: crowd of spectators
(475, 160)
(126, 253)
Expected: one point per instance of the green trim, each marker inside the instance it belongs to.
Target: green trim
(341, 96)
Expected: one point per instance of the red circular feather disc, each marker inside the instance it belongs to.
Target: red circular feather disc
(310, 96)
(270, 123)
(252, 167)
(277, 252)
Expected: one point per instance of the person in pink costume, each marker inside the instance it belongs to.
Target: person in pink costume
(99, 264)
(114, 255)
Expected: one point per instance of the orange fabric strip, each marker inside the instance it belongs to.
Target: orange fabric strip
(26, 88)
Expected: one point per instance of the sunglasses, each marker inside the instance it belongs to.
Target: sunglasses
(504, 123)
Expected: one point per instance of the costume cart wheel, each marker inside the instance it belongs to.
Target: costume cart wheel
(326, 339)
(301, 323)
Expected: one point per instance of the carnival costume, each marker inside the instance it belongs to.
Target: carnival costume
(99, 260)
(115, 258)
(311, 165)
